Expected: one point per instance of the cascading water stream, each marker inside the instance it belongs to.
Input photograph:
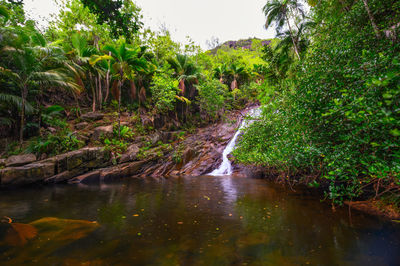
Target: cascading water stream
(226, 167)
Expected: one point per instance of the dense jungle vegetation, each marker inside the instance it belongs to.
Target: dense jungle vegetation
(332, 96)
(99, 57)
(329, 84)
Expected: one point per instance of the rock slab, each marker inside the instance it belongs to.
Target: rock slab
(18, 160)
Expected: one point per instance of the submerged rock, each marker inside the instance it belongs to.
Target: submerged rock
(18, 160)
(17, 234)
(51, 235)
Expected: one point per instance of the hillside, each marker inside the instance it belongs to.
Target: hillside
(249, 44)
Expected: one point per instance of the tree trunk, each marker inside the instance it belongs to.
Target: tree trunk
(133, 90)
(93, 93)
(107, 85)
(142, 94)
(372, 19)
(119, 102)
(296, 50)
(100, 93)
(39, 104)
(78, 108)
(119, 109)
(182, 86)
(21, 129)
(234, 84)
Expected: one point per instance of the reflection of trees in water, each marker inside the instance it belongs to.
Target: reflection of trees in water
(302, 233)
(207, 220)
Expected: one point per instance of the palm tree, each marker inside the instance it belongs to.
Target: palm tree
(81, 54)
(186, 72)
(4, 13)
(27, 68)
(220, 72)
(237, 71)
(259, 71)
(280, 13)
(126, 62)
(143, 76)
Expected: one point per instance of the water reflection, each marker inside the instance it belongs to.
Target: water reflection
(196, 221)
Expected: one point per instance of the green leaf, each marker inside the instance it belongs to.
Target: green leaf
(395, 132)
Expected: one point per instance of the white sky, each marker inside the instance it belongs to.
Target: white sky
(199, 19)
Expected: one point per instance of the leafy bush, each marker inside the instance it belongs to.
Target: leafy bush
(54, 144)
(211, 99)
(51, 116)
(126, 133)
(164, 90)
(335, 118)
(115, 145)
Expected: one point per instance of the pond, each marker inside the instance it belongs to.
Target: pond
(189, 221)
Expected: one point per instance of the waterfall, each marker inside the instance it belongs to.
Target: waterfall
(226, 167)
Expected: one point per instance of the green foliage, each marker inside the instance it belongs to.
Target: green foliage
(51, 116)
(115, 145)
(333, 117)
(177, 155)
(212, 98)
(93, 51)
(163, 90)
(126, 133)
(123, 17)
(53, 144)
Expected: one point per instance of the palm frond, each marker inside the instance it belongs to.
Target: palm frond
(4, 12)
(16, 101)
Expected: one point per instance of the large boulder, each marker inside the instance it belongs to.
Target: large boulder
(109, 174)
(58, 169)
(18, 160)
(104, 131)
(27, 174)
(92, 116)
(130, 154)
(123, 170)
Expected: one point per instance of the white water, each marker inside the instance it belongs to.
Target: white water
(226, 167)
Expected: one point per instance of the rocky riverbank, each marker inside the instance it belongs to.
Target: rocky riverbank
(195, 154)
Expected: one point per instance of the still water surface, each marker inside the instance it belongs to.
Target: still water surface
(191, 221)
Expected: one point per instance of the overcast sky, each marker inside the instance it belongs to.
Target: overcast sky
(201, 20)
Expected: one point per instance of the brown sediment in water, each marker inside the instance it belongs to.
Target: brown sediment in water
(375, 207)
